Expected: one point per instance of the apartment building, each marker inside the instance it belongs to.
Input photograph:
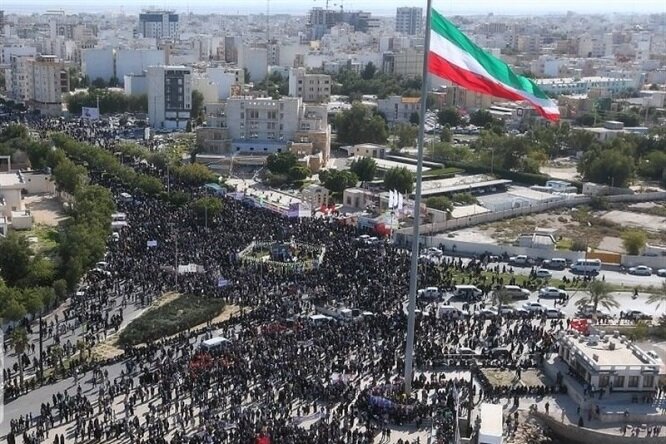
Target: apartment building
(310, 87)
(407, 63)
(409, 20)
(169, 96)
(39, 82)
(398, 109)
(158, 24)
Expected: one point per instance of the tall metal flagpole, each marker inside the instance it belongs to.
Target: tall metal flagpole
(409, 347)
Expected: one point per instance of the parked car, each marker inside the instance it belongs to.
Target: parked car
(554, 313)
(465, 351)
(587, 312)
(516, 291)
(429, 294)
(641, 270)
(487, 313)
(556, 263)
(521, 313)
(507, 311)
(543, 273)
(661, 272)
(521, 259)
(637, 315)
(533, 307)
(434, 252)
(552, 292)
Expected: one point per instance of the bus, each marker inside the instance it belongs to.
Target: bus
(215, 344)
(586, 266)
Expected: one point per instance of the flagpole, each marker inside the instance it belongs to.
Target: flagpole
(413, 281)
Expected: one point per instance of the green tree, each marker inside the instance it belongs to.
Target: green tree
(365, 168)
(414, 119)
(14, 258)
(628, 118)
(298, 173)
(281, 163)
(194, 174)
(19, 341)
(449, 116)
(98, 83)
(586, 119)
(399, 179)
(206, 209)
(653, 165)
(360, 125)
(481, 118)
(634, 241)
(659, 297)
(598, 295)
(608, 166)
(440, 203)
(369, 71)
(406, 135)
(197, 104)
(445, 134)
(68, 176)
(12, 310)
(338, 180)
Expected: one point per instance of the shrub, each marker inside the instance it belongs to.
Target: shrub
(578, 245)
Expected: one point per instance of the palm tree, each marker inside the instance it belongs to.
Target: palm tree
(599, 294)
(19, 340)
(659, 297)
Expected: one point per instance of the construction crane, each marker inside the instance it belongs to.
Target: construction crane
(334, 4)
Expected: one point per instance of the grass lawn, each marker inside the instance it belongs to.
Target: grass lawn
(184, 312)
(444, 171)
(47, 239)
(564, 244)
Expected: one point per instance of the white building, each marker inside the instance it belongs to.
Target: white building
(255, 60)
(225, 79)
(135, 84)
(169, 96)
(98, 63)
(136, 61)
(610, 362)
(407, 63)
(158, 24)
(409, 20)
(38, 81)
(9, 51)
(310, 87)
(583, 85)
(398, 109)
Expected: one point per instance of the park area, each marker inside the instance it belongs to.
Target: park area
(178, 314)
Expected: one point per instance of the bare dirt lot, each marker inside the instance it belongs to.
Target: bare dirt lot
(46, 209)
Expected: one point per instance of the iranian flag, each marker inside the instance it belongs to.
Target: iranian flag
(453, 56)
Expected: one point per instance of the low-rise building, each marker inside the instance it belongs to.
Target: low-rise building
(368, 150)
(611, 361)
(611, 129)
(398, 109)
(310, 87)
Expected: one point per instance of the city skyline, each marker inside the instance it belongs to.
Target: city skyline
(300, 7)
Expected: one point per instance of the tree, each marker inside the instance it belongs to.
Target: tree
(399, 179)
(481, 118)
(659, 297)
(206, 209)
(298, 173)
(98, 83)
(13, 311)
(194, 174)
(414, 119)
(598, 294)
(449, 116)
(68, 176)
(634, 241)
(338, 180)
(365, 168)
(360, 125)
(281, 163)
(19, 340)
(369, 71)
(445, 134)
(610, 166)
(406, 134)
(629, 119)
(440, 203)
(586, 119)
(197, 104)
(14, 258)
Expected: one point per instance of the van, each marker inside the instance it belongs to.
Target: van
(429, 293)
(320, 319)
(587, 266)
(556, 263)
(216, 344)
(470, 292)
(516, 292)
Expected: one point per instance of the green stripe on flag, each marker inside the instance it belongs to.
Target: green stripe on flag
(495, 67)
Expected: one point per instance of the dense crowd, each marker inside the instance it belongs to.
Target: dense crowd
(298, 383)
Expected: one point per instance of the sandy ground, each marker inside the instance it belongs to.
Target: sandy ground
(645, 221)
(612, 244)
(563, 173)
(46, 209)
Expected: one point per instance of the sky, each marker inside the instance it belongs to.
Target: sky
(379, 7)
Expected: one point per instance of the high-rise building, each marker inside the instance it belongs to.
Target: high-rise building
(38, 81)
(158, 24)
(310, 87)
(169, 96)
(409, 20)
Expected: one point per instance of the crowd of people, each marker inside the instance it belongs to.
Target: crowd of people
(299, 383)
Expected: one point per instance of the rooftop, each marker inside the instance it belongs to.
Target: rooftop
(599, 354)
(10, 180)
(460, 184)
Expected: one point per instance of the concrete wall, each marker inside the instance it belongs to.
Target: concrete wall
(574, 434)
(656, 262)
(36, 183)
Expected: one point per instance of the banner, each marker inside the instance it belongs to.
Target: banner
(151, 243)
(222, 282)
(90, 113)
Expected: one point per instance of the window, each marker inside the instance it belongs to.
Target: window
(603, 380)
(272, 115)
(648, 380)
(242, 115)
(633, 381)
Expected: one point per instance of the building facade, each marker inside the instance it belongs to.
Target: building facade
(39, 82)
(159, 24)
(310, 87)
(398, 109)
(407, 63)
(169, 96)
(409, 20)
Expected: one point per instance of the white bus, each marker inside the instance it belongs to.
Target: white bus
(592, 266)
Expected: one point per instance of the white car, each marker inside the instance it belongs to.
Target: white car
(487, 313)
(507, 311)
(554, 313)
(661, 272)
(543, 273)
(552, 292)
(641, 270)
(434, 252)
(521, 259)
(533, 307)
